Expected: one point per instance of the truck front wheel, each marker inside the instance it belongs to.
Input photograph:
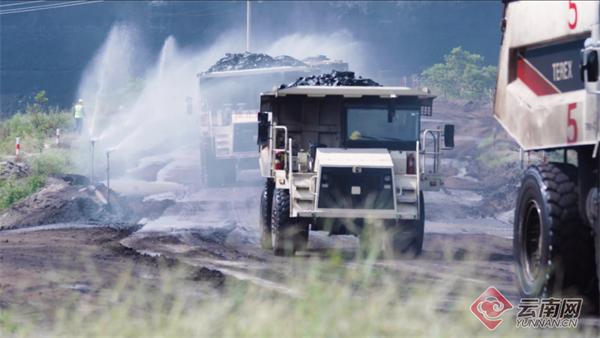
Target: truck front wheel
(288, 234)
(553, 247)
(266, 203)
(405, 238)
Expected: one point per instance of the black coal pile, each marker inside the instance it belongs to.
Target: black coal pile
(247, 60)
(333, 79)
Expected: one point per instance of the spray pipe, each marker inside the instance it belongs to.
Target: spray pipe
(92, 144)
(108, 175)
(57, 137)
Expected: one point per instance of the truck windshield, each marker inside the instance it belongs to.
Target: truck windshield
(382, 124)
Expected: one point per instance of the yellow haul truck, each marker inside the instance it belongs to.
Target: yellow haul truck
(547, 100)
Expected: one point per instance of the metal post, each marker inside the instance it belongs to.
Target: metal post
(92, 143)
(248, 25)
(108, 178)
(17, 147)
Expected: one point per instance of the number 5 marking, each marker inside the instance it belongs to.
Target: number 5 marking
(571, 122)
(573, 7)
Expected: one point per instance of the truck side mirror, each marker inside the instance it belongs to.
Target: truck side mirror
(589, 66)
(263, 129)
(448, 136)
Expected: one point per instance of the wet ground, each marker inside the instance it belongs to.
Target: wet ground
(217, 229)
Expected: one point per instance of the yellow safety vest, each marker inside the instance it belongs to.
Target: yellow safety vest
(78, 111)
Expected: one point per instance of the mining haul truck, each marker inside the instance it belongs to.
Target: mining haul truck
(228, 106)
(547, 100)
(347, 160)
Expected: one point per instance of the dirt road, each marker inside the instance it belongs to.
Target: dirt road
(44, 270)
(216, 230)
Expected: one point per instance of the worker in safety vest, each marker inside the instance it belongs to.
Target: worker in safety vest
(78, 115)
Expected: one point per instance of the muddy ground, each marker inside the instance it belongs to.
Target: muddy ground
(42, 271)
(213, 233)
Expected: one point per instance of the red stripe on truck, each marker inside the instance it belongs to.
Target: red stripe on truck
(534, 79)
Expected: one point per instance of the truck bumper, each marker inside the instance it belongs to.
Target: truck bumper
(358, 213)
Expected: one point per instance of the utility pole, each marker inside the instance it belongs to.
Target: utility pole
(248, 11)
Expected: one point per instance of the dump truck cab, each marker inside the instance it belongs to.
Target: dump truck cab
(346, 158)
(547, 100)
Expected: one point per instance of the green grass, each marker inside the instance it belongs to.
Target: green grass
(330, 302)
(51, 161)
(12, 190)
(34, 129)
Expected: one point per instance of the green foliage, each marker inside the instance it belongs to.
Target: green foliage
(40, 102)
(7, 324)
(462, 75)
(49, 162)
(12, 190)
(40, 98)
(33, 128)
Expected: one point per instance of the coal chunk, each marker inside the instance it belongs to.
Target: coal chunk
(247, 60)
(335, 78)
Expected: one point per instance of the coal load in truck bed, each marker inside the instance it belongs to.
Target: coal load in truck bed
(239, 61)
(332, 79)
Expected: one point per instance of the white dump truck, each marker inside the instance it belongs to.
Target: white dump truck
(347, 160)
(228, 106)
(547, 100)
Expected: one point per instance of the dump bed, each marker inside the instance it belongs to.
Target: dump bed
(541, 99)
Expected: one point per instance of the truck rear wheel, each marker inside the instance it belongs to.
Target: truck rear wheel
(288, 234)
(553, 247)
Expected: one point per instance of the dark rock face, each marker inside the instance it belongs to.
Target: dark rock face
(247, 60)
(334, 78)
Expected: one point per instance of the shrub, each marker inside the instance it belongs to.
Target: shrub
(462, 75)
(33, 128)
(12, 191)
(49, 162)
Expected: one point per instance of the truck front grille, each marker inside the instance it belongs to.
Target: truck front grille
(356, 188)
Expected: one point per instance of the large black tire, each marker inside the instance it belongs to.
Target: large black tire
(405, 238)
(266, 201)
(552, 245)
(288, 234)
